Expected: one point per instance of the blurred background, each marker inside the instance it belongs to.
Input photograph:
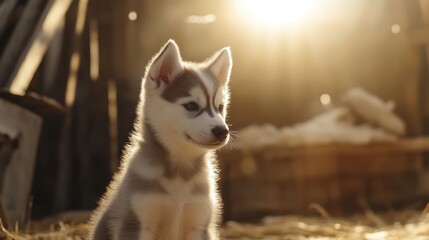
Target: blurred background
(75, 67)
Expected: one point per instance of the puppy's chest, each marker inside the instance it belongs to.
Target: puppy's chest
(181, 191)
(159, 183)
(177, 198)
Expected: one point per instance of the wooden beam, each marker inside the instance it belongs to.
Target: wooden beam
(52, 61)
(6, 8)
(19, 38)
(42, 36)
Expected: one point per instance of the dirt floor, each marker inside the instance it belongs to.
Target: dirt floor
(369, 226)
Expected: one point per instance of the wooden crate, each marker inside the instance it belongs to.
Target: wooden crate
(341, 178)
(21, 121)
(25, 125)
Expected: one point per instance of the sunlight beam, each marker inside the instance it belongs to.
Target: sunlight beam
(276, 13)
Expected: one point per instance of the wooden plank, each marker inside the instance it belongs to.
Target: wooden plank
(19, 38)
(57, 90)
(63, 193)
(52, 60)
(6, 8)
(39, 104)
(17, 121)
(411, 145)
(30, 59)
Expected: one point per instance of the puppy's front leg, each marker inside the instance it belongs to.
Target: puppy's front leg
(198, 235)
(150, 213)
(130, 227)
(196, 221)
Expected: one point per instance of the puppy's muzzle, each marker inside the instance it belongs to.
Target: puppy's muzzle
(220, 132)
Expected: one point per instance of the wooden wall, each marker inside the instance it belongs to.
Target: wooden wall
(278, 76)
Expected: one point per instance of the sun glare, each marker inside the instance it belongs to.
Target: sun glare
(275, 13)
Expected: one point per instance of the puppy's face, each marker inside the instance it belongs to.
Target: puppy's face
(187, 102)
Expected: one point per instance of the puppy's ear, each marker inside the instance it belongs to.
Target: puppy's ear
(220, 65)
(165, 65)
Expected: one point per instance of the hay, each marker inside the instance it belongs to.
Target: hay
(392, 226)
(58, 231)
(369, 226)
(293, 227)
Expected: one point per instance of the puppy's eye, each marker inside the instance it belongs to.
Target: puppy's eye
(191, 106)
(221, 107)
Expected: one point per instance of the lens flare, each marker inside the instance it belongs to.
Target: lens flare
(396, 28)
(132, 16)
(325, 99)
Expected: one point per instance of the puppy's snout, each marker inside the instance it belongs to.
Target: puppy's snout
(220, 132)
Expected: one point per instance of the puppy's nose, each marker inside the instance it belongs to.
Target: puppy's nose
(220, 132)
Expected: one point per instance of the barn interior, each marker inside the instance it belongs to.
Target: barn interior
(329, 111)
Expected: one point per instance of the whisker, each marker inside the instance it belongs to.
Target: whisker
(231, 143)
(234, 135)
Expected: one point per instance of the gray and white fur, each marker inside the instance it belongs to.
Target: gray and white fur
(166, 186)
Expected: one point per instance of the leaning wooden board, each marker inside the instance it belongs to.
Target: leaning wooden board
(17, 121)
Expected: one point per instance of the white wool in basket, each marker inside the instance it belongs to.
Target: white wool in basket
(374, 110)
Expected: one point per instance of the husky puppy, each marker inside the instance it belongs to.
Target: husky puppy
(166, 186)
